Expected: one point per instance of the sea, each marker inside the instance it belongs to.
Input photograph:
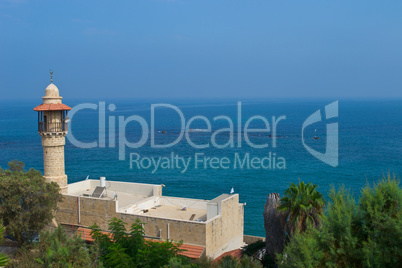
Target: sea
(209, 147)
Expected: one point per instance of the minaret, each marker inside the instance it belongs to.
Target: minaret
(52, 126)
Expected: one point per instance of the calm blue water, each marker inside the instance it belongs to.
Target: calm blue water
(370, 145)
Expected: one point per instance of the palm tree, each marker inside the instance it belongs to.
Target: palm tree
(302, 205)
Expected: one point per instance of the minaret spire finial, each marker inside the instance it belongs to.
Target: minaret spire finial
(51, 76)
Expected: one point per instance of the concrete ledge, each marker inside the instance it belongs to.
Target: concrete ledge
(249, 239)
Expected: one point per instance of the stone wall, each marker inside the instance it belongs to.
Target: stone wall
(188, 231)
(220, 234)
(249, 239)
(225, 232)
(100, 211)
(53, 159)
(92, 210)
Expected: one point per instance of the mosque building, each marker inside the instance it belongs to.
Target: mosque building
(206, 227)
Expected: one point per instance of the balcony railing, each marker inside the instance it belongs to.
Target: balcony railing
(52, 127)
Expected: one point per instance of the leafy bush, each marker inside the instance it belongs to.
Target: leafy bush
(4, 259)
(254, 249)
(180, 262)
(368, 233)
(123, 249)
(231, 262)
(204, 262)
(380, 219)
(57, 249)
(27, 201)
(268, 261)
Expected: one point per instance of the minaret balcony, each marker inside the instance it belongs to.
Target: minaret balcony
(50, 128)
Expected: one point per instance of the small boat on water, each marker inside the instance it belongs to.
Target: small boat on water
(315, 135)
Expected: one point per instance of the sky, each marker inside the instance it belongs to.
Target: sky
(201, 49)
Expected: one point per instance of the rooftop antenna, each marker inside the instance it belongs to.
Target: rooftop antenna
(51, 76)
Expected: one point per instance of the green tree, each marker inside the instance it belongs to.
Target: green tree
(303, 250)
(248, 262)
(254, 250)
(130, 249)
(303, 205)
(27, 201)
(204, 262)
(333, 245)
(57, 250)
(380, 215)
(178, 263)
(337, 238)
(244, 262)
(366, 234)
(4, 259)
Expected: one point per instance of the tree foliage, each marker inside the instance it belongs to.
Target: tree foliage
(254, 250)
(380, 219)
(131, 249)
(4, 259)
(363, 234)
(27, 201)
(303, 205)
(58, 250)
(231, 262)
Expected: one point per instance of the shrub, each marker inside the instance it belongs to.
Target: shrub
(368, 233)
(57, 249)
(130, 249)
(27, 201)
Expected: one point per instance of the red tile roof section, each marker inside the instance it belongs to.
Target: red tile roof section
(52, 107)
(237, 253)
(86, 234)
(190, 251)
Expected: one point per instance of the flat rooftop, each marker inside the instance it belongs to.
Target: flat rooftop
(144, 199)
(189, 214)
(124, 198)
